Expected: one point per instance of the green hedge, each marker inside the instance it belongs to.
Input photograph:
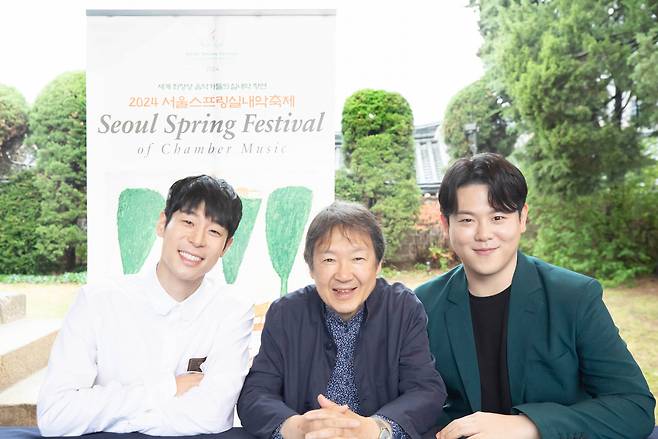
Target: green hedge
(64, 278)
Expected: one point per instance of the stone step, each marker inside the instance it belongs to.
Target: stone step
(25, 347)
(12, 307)
(18, 402)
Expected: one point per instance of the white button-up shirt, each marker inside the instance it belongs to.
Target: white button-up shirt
(114, 363)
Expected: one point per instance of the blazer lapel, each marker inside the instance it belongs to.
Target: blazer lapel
(524, 303)
(462, 341)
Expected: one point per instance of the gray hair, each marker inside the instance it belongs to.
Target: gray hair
(347, 216)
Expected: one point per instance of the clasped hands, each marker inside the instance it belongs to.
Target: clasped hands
(329, 421)
(338, 421)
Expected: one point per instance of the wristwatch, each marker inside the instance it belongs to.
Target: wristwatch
(385, 431)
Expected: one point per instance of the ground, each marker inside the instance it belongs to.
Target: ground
(634, 308)
(45, 300)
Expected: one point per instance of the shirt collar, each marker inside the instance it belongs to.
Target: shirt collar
(332, 317)
(163, 303)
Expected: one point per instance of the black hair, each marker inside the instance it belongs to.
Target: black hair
(221, 203)
(347, 216)
(507, 186)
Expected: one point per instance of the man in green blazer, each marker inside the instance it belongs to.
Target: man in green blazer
(526, 349)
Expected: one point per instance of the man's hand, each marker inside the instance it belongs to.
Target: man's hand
(363, 427)
(186, 381)
(483, 425)
(325, 422)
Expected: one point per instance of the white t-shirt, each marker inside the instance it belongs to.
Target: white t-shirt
(114, 363)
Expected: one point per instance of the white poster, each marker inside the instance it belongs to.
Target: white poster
(242, 95)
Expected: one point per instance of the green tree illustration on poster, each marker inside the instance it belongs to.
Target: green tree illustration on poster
(137, 215)
(233, 258)
(285, 218)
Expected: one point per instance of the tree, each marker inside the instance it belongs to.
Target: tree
(58, 128)
(369, 112)
(611, 234)
(645, 77)
(379, 157)
(579, 74)
(13, 124)
(581, 77)
(19, 216)
(477, 103)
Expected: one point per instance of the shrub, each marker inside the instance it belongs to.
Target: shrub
(64, 278)
(379, 155)
(611, 235)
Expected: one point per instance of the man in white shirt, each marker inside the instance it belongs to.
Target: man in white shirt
(164, 352)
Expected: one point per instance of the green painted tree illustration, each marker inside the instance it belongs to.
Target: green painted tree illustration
(233, 258)
(137, 214)
(285, 218)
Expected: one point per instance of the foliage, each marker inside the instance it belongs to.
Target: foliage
(443, 257)
(369, 112)
(13, 124)
(389, 272)
(645, 76)
(64, 278)
(477, 103)
(379, 157)
(611, 235)
(418, 266)
(19, 218)
(57, 126)
(581, 77)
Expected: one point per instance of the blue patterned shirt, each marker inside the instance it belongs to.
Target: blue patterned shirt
(342, 387)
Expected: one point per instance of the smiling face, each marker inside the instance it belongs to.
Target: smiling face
(485, 240)
(191, 246)
(345, 270)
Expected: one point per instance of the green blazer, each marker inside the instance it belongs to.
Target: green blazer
(569, 370)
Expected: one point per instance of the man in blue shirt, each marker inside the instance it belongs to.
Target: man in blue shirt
(348, 356)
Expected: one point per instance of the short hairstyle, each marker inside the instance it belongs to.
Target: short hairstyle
(347, 216)
(221, 203)
(507, 186)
